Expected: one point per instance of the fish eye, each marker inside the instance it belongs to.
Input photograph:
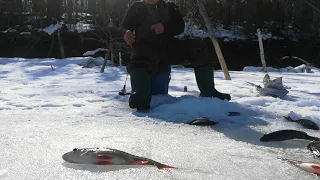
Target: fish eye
(75, 149)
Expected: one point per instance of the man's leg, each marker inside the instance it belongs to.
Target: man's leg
(204, 71)
(205, 81)
(143, 63)
(160, 81)
(140, 83)
(199, 57)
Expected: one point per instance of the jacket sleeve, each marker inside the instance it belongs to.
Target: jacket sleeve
(133, 18)
(175, 25)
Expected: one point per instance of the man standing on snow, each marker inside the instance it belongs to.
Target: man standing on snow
(150, 29)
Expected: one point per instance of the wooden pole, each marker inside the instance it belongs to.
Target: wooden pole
(263, 61)
(214, 40)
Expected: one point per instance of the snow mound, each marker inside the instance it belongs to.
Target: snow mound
(93, 52)
(183, 109)
(52, 28)
(299, 69)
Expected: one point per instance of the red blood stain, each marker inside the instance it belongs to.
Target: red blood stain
(315, 166)
(102, 157)
(140, 162)
(103, 163)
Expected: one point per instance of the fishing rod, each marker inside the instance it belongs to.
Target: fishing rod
(123, 91)
(315, 8)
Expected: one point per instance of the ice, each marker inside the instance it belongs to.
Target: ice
(47, 112)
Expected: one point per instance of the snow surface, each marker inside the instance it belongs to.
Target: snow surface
(220, 31)
(52, 28)
(80, 27)
(93, 52)
(50, 106)
(299, 69)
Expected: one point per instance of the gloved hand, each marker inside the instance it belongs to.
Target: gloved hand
(129, 37)
(158, 28)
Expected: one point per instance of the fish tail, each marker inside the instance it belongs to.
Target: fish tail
(291, 161)
(162, 166)
(288, 118)
(311, 138)
(315, 139)
(295, 163)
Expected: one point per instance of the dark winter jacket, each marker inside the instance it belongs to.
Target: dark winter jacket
(141, 16)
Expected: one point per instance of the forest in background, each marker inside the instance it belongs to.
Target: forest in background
(282, 18)
(282, 14)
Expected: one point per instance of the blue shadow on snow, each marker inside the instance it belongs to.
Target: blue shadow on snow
(187, 108)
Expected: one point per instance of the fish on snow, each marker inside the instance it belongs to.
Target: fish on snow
(108, 156)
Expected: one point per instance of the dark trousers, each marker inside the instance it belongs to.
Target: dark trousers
(158, 58)
(151, 59)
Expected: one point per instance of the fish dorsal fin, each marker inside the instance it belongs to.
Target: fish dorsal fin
(163, 166)
(288, 118)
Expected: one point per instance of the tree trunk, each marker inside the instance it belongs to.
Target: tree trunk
(102, 12)
(60, 44)
(51, 47)
(111, 52)
(69, 12)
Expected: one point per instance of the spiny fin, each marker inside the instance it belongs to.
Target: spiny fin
(291, 161)
(163, 166)
(288, 118)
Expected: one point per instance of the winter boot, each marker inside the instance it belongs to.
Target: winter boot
(141, 94)
(205, 82)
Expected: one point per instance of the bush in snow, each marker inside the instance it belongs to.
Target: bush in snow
(98, 58)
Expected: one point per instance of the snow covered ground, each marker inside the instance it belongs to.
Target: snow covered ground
(230, 33)
(49, 106)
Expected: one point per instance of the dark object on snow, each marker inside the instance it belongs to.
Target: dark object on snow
(304, 122)
(123, 91)
(143, 110)
(234, 114)
(314, 147)
(203, 121)
(185, 89)
(108, 157)
(284, 135)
